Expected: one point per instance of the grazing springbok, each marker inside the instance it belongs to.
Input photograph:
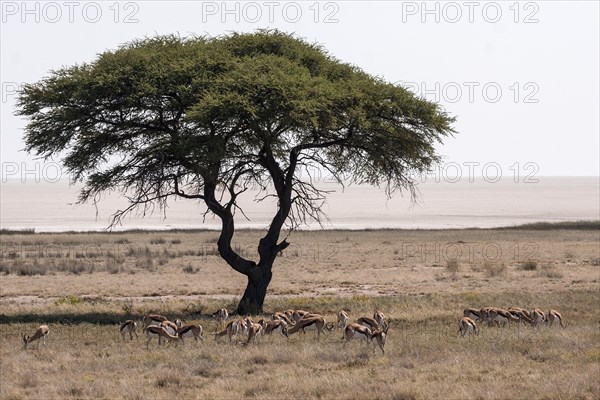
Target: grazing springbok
(520, 310)
(485, 314)
(521, 313)
(282, 316)
(316, 321)
(297, 315)
(245, 324)
(376, 337)
(254, 330)
(232, 329)
(154, 331)
(41, 332)
(554, 315)
(170, 327)
(270, 326)
(501, 317)
(467, 326)
(130, 327)
(289, 313)
(153, 319)
(537, 317)
(358, 330)
(192, 330)
(473, 313)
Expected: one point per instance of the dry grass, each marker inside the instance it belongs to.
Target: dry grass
(424, 356)
(407, 274)
(528, 266)
(340, 263)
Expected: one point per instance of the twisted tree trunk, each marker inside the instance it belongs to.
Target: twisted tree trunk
(256, 290)
(260, 275)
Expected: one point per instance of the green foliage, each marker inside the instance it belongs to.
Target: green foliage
(201, 110)
(70, 300)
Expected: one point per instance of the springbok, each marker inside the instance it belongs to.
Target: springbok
(501, 317)
(467, 326)
(357, 330)
(281, 316)
(379, 337)
(154, 331)
(253, 331)
(194, 330)
(343, 319)
(369, 322)
(554, 315)
(270, 326)
(316, 321)
(41, 332)
(521, 313)
(130, 327)
(232, 329)
(537, 317)
(297, 315)
(473, 313)
(153, 319)
(221, 316)
(379, 317)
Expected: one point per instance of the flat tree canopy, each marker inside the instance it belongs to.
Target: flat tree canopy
(208, 119)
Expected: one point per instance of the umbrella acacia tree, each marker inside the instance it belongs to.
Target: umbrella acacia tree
(209, 118)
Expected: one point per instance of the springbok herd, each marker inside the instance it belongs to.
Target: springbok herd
(501, 317)
(372, 330)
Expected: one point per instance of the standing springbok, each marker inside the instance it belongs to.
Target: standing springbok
(254, 330)
(379, 337)
(221, 316)
(369, 323)
(343, 319)
(379, 317)
(41, 332)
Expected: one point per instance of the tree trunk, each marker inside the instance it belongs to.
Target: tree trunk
(256, 290)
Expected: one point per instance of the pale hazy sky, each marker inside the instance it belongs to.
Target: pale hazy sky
(522, 78)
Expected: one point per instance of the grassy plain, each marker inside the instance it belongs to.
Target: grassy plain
(83, 284)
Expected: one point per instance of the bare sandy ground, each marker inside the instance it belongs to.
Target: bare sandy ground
(166, 265)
